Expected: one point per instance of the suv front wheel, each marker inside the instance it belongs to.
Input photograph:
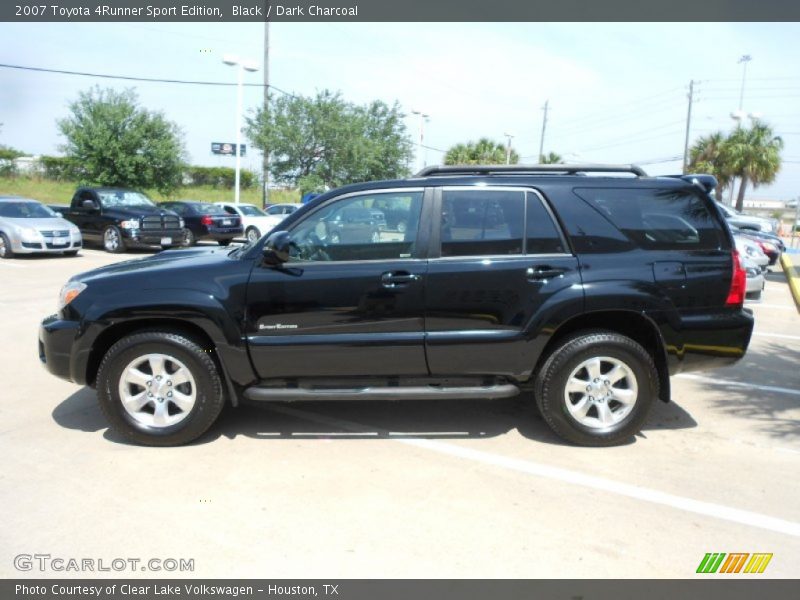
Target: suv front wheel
(596, 388)
(159, 388)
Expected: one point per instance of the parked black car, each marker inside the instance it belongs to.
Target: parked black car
(582, 293)
(205, 221)
(120, 219)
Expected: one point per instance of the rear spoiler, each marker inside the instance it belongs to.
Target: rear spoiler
(708, 183)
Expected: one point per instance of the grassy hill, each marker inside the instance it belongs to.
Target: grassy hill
(60, 192)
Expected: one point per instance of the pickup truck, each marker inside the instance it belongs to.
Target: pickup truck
(120, 219)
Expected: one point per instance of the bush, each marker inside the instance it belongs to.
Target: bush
(59, 168)
(218, 177)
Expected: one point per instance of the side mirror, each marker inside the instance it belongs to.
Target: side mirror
(89, 205)
(277, 248)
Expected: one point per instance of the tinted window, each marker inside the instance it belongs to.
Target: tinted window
(203, 208)
(541, 233)
(346, 229)
(25, 210)
(482, 222)
(175, 207)
(659, 219)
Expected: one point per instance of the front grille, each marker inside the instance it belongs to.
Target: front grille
(32, 245)
(55, 233)
(156, 223)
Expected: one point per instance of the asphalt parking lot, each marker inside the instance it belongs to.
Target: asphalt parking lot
(471, 489)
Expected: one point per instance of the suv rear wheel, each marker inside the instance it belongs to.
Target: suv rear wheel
(159, 389)
(596, 388)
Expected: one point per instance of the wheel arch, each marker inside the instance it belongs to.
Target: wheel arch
(634, 325)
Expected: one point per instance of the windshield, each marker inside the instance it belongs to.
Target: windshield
(124, 199)
(249, 210)
(25, 210)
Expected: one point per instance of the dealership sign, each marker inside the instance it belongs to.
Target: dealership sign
(227, 149)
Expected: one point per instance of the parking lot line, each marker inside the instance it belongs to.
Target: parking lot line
(775, 306)
(700, 507)
(729, 382)
(776, 335)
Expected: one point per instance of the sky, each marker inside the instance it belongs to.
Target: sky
(617, 92)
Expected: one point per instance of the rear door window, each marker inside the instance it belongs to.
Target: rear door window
(482, 222)
(657, 218)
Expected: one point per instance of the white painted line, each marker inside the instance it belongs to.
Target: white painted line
(776, 306)
(709, 509)
(731, 383)
(782, 336)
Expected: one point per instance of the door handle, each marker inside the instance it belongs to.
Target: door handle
(543, 273)
(398, 278)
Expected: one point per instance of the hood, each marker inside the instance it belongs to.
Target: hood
(168, 259)
(43, 224)
(138, 211)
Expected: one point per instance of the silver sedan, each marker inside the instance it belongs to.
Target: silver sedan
(26, 227)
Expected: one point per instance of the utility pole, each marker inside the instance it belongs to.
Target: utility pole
(422, 157)
(544, 127)
(688, 126)
(265, 164)
(508, 147)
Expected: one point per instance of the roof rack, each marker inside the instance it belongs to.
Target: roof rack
(529, 169)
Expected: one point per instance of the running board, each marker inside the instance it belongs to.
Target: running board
(421, 392)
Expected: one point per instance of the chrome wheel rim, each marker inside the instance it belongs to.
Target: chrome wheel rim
(187, 237)
(2, 247)
(111, 239)
(334, 238)
(252, 235)
(157, 390)
(401, 227)
(376, 237)
(601, 392)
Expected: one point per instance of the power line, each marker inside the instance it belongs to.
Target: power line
(143, 79)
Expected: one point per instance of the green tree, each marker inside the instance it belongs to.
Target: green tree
(117, 142)
(754, 156)
(482, 152)
(323, 141)
(551, 158)
(709, 154)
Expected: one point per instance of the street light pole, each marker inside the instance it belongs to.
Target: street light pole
(508, 147)
(241, 66)
(421, 155)
(265, 163)
(544, 126)
(739, 115)
(688, 127)
(743, 61)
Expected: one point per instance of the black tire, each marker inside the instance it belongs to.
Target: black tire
(109, 234)
(208, 404)
(71, 253)
(570, 353)
(5, 247)
(252, 234)
(224, 242)
(189, 239)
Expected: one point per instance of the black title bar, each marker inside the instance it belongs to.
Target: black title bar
(396, 10)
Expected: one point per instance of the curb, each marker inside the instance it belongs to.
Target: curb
(793, 276)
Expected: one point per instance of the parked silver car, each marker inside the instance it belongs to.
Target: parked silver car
(27, 226)
(743, 221)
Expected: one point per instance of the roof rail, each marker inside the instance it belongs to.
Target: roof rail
(528, 169)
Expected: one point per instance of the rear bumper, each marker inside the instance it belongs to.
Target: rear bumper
(222, 233)
(56, 338)
(707, 341)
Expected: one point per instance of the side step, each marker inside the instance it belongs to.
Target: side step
(419, 392)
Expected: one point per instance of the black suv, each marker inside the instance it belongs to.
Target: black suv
(582, 287)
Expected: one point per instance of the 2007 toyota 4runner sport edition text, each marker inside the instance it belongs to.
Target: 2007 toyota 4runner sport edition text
(582, 287)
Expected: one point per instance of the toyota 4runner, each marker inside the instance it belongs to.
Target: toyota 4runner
(581, 287)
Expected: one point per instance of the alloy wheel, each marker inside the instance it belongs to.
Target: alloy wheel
(600, 392)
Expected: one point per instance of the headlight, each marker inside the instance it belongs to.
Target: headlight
(69, 292)
(132, 224)
(29, 234)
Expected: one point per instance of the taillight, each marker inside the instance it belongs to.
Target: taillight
(738, 283)
(206, 220)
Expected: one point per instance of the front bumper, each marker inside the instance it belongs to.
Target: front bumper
(143, 237)
(46, 246)
(56, 338)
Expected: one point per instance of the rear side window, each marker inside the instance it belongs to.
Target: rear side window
(482, 222)
(657, 219)
(540, 231)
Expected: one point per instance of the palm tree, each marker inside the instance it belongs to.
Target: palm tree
(551, 158)
(754, 156)
(709, 155)
(482, 152)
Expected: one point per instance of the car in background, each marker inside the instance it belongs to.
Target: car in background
(743, 221)
(284, 209)
(755, 279)
(771, 245)
(205, 221)
(254, 220)
(751, 251)
(27, 227)
(352, 225)
(396, 211)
